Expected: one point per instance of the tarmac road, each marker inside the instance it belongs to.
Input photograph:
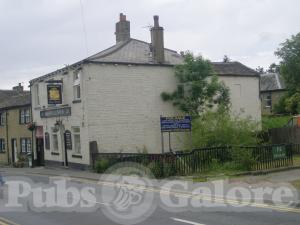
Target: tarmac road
(154, 209)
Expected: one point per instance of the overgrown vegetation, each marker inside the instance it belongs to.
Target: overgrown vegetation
(199, 88)
(101, 165)
(289, 53)
(219, 128)
(272, 121)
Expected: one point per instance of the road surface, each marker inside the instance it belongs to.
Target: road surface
(151, 212)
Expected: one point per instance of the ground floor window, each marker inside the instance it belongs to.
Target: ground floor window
(55, 142)
(25, 145)
(47, 141)
(76, 137)
(2, 145)
(268, 101)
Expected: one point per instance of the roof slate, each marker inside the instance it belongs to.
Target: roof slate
(9, 98)
(271, 82)
(135, 51)
(233, 68)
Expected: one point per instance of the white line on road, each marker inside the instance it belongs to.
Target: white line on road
(186, 221)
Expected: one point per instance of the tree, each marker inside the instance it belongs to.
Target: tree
(273, 68)
(260, 70)
(198, 87)
(226, 58)
(290, 62)
(289, 53)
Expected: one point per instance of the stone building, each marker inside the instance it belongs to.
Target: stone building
(15, 115)
(272, 88)
(113, 99)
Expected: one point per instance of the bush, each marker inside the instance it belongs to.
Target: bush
(157, 169)
(101, 165)
(219, 128)
(269, 122)
(242, 158)
(169, 169)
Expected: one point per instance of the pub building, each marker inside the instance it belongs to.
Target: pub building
(111, 101)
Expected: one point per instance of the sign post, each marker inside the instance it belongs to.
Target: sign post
(174, 124)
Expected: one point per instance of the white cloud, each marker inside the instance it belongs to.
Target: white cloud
(39, 33)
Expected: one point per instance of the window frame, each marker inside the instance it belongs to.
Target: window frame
(76, 135)
(55, 146)
(24, 116)
(37, 97)
(2, 118)
(268, 100)
(25, 145)
(47, 140)
(2, 145)
(76, 85)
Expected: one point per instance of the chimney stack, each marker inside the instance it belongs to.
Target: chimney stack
(122, 29)
(157, 41)
(18, 88)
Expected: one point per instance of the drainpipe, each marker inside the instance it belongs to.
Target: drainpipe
(7, 141)
(32, 132)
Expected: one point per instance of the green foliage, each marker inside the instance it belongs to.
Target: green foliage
(288, 104)
(242, 158)
(198, 87)
(290, 71)
(101, 165)
(221, 129)
(169, 169)
(290, 62)
(162, 169)
(269, 122)
(292, 104)
(157, 169)
(280, 107)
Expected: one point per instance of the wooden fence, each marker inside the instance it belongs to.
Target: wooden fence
(285, 135)
(198, 160)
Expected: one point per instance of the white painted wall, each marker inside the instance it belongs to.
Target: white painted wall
(76, 119)
(244, 95)
(121, 107)
(124, 107)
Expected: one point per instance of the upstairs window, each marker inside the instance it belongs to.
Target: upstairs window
(37, 95)
(25, 117)
(76, 85)
(2, 118)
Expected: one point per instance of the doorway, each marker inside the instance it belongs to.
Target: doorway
(14, 150)
(40, 152)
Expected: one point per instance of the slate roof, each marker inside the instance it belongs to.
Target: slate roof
(11, 99)
(135, 51)
(233, 68)
(271, 82)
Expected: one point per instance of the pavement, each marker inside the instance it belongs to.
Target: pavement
(184, 203)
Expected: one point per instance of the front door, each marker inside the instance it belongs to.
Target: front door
(14, 150)
(40, 152)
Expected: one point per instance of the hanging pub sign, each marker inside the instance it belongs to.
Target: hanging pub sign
(176, 124)
(54, 94)
(68, 140)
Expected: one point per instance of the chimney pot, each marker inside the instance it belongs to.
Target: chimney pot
(122, 29)
(18, 88)
(157, 41)
(156, 21)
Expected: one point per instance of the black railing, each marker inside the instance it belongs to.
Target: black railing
(198, 160)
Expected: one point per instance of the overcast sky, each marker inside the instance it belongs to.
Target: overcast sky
(38, 36)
